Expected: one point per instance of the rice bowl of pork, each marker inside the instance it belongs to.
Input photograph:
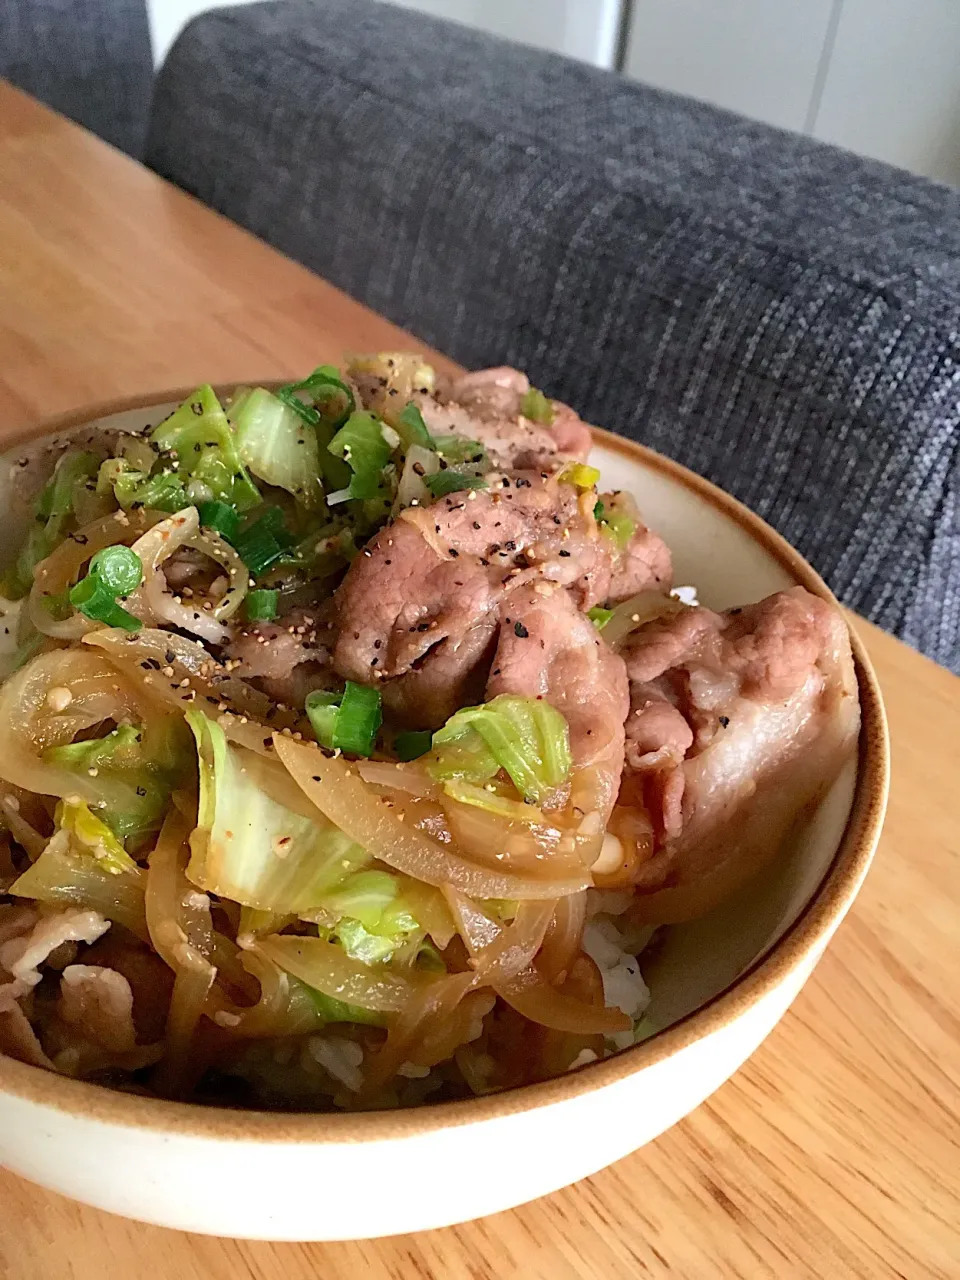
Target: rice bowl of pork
(717, 986)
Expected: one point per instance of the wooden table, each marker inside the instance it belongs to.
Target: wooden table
(835, 1151)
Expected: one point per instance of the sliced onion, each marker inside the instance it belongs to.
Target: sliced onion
(327, 968)
(532, 996)
(153, 602)
(338, 791)
(29, 725)
(508, 966)
(147, 654)
(636, 612)
(178, 919)
(405, 778)
(412, 489)
(238, 575)
(564, 937)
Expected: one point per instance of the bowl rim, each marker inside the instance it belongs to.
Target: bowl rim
(798, 946)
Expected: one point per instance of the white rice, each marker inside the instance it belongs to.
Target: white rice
(613, 946)
(340, 1057)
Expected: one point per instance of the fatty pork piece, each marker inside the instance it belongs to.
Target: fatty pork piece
(418, 611)
(739, 721)
(548, 649)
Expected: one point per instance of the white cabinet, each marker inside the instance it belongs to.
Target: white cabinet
(758, 57)
(893, 86)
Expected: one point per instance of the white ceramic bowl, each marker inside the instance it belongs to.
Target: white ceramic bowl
(719, 986)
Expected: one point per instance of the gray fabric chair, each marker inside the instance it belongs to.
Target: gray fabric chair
(777, 314)
(89, 59)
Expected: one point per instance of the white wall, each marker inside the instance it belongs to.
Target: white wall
(168, 17)
(881, 77)
(584, 29)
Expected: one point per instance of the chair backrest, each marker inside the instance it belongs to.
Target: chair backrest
(89, 59)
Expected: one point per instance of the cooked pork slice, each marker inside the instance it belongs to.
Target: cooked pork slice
(21, 956)
(738, 722)
(289, 657)
(423, 602)
(548, 649)
(488, 406)
(99, 1002)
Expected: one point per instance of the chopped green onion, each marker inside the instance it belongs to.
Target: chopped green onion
(322, 708)
(206, 449)
(598, 509)
(220, 517)
(348, 721)
(620, 528)
(262, 605)
(114, 571)
(579, 474)
(264, 542)
(361, 444)
(413, 745)
(312, 397)
(458, 449)
(358, 719)
(535, 406)
(452, 481)
(119, 568)
(599, 617)
(412, 429)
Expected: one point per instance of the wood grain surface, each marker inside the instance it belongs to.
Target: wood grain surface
(835, 1152)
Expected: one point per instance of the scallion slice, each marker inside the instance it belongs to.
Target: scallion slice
(262, 605)
(114, 571)
(221, 518)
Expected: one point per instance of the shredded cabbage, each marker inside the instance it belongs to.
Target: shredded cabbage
(249, 847)
(84, 865)
(278, 445)
(526, 737)
(205, 446)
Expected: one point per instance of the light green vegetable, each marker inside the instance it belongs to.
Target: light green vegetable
(84, 865)
(535, 406)
(580, 475)
(251, 848)
(599, 617)
(136, 777)
(54, 506)
(348, 721)
(526, 737)
(278, 445)
(135, 486)
(361, 443)
(618, 527)
(205, 446)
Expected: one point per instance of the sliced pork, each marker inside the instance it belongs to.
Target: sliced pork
(423, 602)
(288, 658)
(738, 721)
(488, 406)
(549, 649)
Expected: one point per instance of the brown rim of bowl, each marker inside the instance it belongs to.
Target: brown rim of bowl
(799, 944)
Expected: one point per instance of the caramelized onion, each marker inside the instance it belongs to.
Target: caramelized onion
(336, 789)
